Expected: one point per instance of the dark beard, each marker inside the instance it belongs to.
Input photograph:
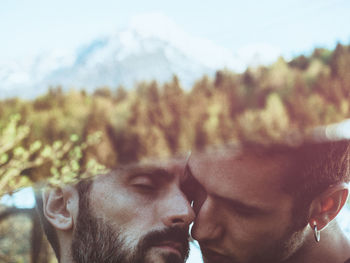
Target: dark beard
(96, 241)
(290, 245)
(278, 252)
(154, 238)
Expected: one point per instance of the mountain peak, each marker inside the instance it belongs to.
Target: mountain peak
(151, 47)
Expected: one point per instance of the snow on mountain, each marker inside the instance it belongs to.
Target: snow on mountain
(125, 59)
(152, 47)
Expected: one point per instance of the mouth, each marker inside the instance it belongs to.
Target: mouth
(172, 247)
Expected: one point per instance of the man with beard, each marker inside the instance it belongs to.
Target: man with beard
(271, 204)
(135, 214)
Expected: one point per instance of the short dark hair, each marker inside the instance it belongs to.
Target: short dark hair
(316, 166)
(312, 168)
(83, 188)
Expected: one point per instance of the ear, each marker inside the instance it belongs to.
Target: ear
(327, 206)
(60, 206)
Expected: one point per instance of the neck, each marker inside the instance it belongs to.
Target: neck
(333, 247)
(65, 247)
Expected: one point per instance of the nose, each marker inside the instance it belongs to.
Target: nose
(207, 226)
(178, 210)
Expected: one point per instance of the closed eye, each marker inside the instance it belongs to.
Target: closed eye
(145, 187)
(242, 209)
(144, 183)
(148, 180)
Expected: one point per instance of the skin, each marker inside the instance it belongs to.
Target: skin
(244, 216)
(133, 202)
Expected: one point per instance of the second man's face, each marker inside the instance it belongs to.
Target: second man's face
(242, 213)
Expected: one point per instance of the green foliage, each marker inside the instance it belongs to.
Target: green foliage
(300, 62)
(20, 165)
(61, 137)
(272, 122)
(261, 104)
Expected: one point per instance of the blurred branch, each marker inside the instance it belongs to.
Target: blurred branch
(15, 211)
(59, 162)
(12, 134)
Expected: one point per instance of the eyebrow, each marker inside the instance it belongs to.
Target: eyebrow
(152, 172)
(231, 202)
(243, 206)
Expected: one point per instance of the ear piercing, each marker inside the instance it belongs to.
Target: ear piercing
(317, 233)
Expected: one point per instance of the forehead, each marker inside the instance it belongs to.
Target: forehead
(169, 168)
(171, 165)
(241, 175)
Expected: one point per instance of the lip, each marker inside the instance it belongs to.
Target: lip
(174, 247)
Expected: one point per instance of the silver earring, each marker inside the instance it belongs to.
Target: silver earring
(316, 233)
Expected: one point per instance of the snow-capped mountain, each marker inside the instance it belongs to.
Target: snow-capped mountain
(152, 47)
(125, 59)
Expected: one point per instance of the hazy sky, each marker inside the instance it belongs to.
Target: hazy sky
(292, 26)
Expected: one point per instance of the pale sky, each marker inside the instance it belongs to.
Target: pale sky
(29, 28)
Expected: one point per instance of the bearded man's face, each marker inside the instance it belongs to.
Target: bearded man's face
(133, 216)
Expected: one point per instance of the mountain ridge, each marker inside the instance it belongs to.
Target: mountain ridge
(151, 48)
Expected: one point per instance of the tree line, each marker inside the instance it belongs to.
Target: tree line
(62, 134)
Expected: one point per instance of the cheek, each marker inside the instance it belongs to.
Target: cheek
(247, 231)
(131, 215)
(121, 208)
